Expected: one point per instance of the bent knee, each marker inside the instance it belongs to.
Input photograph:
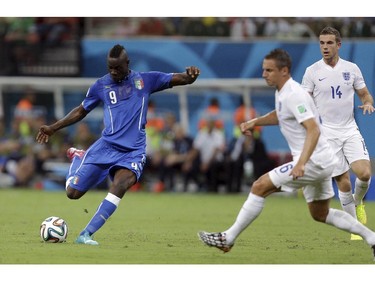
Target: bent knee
(263, 187)
(362, 170)
(364, 175)
(73, 193)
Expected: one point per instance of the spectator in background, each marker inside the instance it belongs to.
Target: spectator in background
(242, 29)
(16, 171)
(24, 113)
(16, 168)
(21, 44)
(155, 125)
(52, 31)
(25, 120)
(26, 116)
(208, 149)
(241, 114)
(360, 27)
(154, 119)
(165, 147)
(151, 26)
(126, 27)
(300, 29)
(173, 161)
(247, 157)
(212, 112)
(167, 133)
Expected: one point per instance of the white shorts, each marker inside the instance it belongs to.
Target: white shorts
(348, 149)
(316, 183)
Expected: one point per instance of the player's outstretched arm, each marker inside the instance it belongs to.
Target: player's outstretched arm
(265, 120)
(185, 78)
(72, 117)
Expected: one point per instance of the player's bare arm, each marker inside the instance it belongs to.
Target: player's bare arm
(311, 140)
(72, 117)
(367, 101)
(265, 120)
(184, 78)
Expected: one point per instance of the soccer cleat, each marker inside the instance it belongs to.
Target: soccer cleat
(361, 213)
(373, 251)
(85, 238)
(354, 237)
(72, 152)
(217, 240)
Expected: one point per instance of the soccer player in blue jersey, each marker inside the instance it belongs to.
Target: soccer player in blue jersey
(120, 152)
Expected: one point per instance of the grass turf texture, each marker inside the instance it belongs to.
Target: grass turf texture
(160, 229)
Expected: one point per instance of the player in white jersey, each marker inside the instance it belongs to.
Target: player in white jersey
(312, 165)
(333, 82)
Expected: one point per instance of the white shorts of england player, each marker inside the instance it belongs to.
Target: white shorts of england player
(348, 150)
(316, 183)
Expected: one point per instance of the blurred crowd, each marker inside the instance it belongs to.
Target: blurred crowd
(230, 27)
(208, 161)
(24, 39)
(51, 31)
(25, 163)
(36, 45)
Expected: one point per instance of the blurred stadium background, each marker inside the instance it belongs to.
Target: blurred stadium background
(58, 58)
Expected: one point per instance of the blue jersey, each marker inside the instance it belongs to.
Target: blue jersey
(125, 106)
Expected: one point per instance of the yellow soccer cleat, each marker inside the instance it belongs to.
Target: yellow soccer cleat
(355, 237)
(361, 213)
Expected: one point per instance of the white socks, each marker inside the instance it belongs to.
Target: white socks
(250, 210)
(360, 190)
(347, 203)
(344, 221)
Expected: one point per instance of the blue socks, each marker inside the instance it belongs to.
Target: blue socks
(104, 211)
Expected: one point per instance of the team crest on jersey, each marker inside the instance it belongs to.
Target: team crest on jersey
(139, 84)
(301, 108)
(346, 76)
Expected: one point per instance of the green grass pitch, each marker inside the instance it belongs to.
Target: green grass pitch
(161, 229)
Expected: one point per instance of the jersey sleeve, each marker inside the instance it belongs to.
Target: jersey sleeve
(300, 106)
(92, 98)
(158, 81)
(307, 81)
(359, 81)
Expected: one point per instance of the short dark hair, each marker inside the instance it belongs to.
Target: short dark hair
(116, 51)
(329, 30)
(281, 57)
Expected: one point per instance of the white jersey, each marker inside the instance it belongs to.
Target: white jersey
(293, 106)
(207, 143)
(333, 90)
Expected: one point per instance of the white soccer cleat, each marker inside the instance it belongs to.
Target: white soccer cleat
(216, 239)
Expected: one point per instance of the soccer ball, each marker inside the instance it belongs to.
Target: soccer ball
(53, 230)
